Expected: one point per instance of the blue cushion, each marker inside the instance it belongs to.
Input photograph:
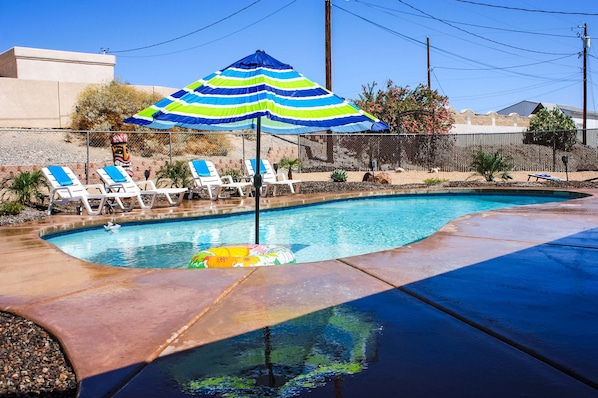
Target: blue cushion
(115, 174)
(262, 166)
(61, 177)
(201, 168)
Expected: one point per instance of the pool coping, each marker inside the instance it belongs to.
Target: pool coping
(71, 298)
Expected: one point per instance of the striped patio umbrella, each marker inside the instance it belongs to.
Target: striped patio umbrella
(261, 93)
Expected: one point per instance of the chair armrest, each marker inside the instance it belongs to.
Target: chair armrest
(99, 187)
(281, 177)
(227, 179)
(57, 189)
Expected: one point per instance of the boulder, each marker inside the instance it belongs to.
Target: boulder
(378, 178)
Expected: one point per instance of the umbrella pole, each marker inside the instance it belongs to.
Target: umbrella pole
(257, 180)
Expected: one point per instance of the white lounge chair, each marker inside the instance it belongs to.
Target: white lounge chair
(544, 177)
(270, 178)
(67, 188)
(205, 176)
(118, 180)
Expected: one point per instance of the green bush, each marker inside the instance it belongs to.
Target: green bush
(236, 174)
(339, 175)
(488, 165)
(434, 181)
(176, 174)
(11, 209)
(23, 188)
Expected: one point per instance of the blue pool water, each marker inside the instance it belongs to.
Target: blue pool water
(316, 232)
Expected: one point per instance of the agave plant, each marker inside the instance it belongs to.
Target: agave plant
(488, 165)
(24, 187)
(339, 175)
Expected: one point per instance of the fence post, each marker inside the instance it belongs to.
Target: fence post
(554, 151)
(170, 144)
(87, 165)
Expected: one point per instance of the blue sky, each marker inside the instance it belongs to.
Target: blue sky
(485, 55)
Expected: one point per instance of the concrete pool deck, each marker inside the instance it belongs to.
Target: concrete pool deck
(495, 304)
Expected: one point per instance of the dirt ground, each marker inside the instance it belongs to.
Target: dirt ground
(418, 177)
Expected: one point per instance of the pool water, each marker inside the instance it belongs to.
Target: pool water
(314, 233)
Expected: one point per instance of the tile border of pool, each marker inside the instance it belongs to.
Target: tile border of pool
(71, 298)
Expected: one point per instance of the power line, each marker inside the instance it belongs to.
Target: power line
(188, 34)
(387, 10)
(476, 35)
(251, 24)
(476, 62)
(509, 67)
(528, 9)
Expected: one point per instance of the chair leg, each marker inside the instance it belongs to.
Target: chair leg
(143, 205)
(217, 194)
(92, 212)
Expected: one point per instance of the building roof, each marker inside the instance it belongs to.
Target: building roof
(529, 108)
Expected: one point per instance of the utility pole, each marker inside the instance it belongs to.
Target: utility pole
(328, 45)
(428, 47)
(586, 44)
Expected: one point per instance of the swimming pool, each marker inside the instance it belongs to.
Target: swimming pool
(314, 233)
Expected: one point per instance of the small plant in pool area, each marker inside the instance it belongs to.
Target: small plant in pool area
(236, 174)
(488, 165)
(339, 175)
(11, 209)
(289, 164)
(176, 174)
(25, 188)
(434, 181)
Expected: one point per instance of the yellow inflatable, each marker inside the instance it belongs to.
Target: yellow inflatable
(242, 256)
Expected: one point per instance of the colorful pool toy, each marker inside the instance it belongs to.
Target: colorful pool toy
(242, 256)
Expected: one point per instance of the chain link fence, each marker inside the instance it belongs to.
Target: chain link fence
(86, 151)
(528, 151)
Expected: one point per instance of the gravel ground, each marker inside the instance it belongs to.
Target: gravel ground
(32, 363)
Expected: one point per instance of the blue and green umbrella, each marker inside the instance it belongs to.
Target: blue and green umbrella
(261, 93)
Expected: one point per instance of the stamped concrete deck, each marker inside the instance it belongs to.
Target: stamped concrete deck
(496, 304)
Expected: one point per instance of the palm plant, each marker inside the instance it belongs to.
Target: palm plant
(24, 187)
(488, 165)
(289, 164)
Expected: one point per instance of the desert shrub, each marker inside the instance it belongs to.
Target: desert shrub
(339, 175)
(103, 107)
(176, 174)
(236, 174)
(207, 144)
(434, 181)
(11, 208)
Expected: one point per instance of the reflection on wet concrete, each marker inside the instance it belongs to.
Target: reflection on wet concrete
(284, 359)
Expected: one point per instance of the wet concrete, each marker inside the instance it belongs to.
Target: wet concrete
(495, 304)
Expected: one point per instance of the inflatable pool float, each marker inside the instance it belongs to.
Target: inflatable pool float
(242, 256)
(111, 227)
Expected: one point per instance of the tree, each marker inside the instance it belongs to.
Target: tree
(419, 111)
(104, 107)
(552, 128)
(289, 164)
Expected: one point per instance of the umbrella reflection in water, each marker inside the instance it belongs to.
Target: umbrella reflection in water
(282, 360)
